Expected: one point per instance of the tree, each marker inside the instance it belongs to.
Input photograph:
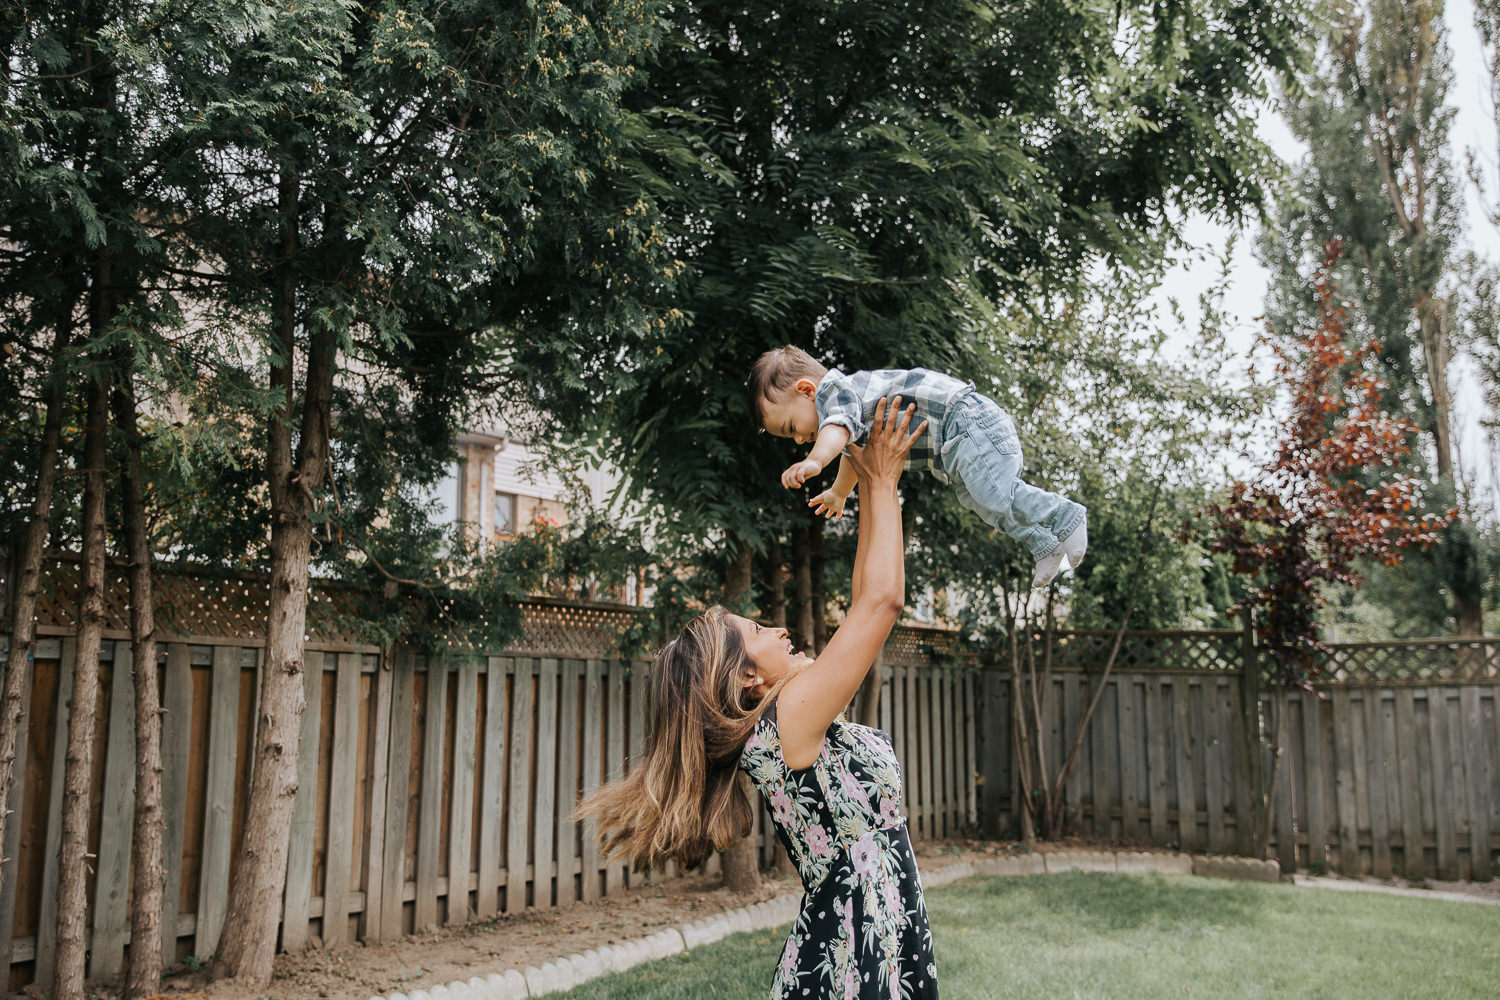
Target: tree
(437, 171)
(1331, 495)
(864, 181)
(1312, 512)
(1379, 180)
(1129, 413)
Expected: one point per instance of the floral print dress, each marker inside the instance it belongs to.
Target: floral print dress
(862, 932)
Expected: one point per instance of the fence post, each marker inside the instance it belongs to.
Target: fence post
(1250, 773)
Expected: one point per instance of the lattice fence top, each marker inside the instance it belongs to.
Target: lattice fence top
(1089, 650)
(191, 604)
(1459, 658)
(919, 646)
(584, 631)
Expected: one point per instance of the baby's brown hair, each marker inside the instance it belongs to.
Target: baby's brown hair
(778, 370)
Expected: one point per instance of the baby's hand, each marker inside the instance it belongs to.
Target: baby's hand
(800, 473)
(828, 503)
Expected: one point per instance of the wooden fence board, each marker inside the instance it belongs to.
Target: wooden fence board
(397, 797)
(1344, 788)
(176, 743)
(1214, 745)
(1103, 755)
(1359, 736)
(971, 755)
(1440, 784)
(911, 759)
(376, 765)
(218, 807)
(636, 710)
(593, 763)
(492, 790)
(926, 691)
(1130, 764)
(1457, 789)
(1477, 782)
(518, 813)
(1286, 818)
(1312, 755)
(297, 899)
(111, 909)
(430, 806)
(1071, 710)
(951, 726)
(614, 752)
(1241, 725)
(1156, 760)
(546, 782)
(1083, 775)
(569, 735)
(990, 739)
(1186, 745)
(461, 814)
(1378, 765)
(1406, 750)
(341, 817)
(46, 935)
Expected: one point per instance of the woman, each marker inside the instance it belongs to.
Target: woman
(728, 695)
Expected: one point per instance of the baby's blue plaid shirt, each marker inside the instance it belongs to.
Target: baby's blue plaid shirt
(849, 401)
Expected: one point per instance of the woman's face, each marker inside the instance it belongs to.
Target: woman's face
(770, 650)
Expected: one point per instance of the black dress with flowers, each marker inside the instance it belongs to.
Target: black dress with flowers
(862, 932)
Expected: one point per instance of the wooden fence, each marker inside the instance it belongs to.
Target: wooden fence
(429, 793)
(1393, 767)
(437, 792)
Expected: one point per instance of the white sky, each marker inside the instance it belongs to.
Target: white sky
(1473, 129)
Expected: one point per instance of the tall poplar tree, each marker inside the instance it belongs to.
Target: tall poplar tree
(1379, 179)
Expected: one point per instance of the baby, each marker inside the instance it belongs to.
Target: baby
(970, 442)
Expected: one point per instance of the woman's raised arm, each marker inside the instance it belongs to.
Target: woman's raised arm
(813, 699)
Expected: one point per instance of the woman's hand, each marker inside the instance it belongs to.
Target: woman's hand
(884, 453)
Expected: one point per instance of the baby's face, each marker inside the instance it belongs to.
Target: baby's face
(792, 414)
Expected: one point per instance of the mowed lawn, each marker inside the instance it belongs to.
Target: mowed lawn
(1143, 936)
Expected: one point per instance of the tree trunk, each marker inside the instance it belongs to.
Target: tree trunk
(737, 575)
(776, 584)
(247, 941)
(819, 591)
(27, 565)
(802, 610)
(148, 877)
(72, 903)
(740, 863)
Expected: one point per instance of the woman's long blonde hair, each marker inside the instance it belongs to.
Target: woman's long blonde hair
(681, 800)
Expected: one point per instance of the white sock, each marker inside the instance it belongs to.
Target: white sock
(1077, 543)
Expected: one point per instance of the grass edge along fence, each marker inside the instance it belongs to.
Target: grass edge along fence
(410, 764)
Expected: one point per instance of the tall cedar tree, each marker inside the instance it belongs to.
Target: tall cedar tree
(1333, 493)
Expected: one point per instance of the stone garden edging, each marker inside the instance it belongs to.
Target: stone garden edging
(565, 973)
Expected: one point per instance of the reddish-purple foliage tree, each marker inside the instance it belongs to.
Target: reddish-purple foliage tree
(1329, 496)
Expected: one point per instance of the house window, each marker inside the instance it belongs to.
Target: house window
(505, 513)
(448, 495)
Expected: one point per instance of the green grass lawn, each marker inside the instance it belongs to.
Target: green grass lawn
(1127, 936)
